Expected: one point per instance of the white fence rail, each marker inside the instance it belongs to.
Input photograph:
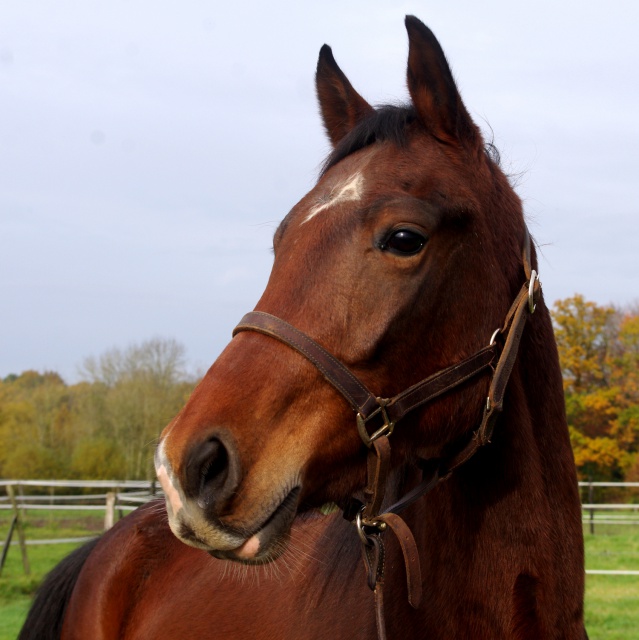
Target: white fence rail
(127, 495)
(82, 484)
(609, 513)
(120, 497)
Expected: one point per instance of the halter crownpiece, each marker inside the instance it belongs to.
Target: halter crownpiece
(376, 418)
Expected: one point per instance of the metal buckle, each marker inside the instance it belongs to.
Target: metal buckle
(534, 277)
(360, 523)
(385, 430)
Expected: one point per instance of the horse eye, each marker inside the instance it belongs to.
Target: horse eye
(405, 242)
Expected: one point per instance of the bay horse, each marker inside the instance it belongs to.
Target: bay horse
(400, 360)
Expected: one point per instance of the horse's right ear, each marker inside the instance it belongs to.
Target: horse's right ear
(342, 107)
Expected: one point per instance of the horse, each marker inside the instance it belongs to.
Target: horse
(400, 360)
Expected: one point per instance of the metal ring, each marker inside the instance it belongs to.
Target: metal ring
(531, 290)
(360, 528)
(492, 338)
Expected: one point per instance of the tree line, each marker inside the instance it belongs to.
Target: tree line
(106, 426)
(103, 427)
(599, 355)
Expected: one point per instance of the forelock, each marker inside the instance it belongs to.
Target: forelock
(387, 122)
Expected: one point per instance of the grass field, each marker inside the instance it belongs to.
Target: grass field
(16, 588)
(612, 602)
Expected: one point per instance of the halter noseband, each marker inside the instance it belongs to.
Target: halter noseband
(376, 418)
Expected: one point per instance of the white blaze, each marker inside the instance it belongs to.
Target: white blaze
(169, 489)
(346, 191)
(164, 476)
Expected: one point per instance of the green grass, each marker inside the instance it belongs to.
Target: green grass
(616, 552)
(612, 602)
(612, 607)
(12, 615)
(16, 588)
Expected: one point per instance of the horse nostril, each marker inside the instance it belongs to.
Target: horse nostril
(214, 472)
(211, 473)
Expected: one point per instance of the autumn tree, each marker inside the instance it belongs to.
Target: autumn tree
(584, 332)
(599, 353)
(104, 427)
(35, 425)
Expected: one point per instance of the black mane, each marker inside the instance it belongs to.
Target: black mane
(387, 122)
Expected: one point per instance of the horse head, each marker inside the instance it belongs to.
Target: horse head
(402, 260)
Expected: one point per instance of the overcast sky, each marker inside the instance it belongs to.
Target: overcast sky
(148, 150)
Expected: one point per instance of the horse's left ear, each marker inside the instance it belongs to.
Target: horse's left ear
(342, 107)
(433, 89)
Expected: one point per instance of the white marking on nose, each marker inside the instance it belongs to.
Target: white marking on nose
(172, 494)
(169, 490)
(346, 191)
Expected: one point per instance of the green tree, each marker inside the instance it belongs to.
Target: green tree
(135, 393)
(34, 416)
(98, 458)
(105, 426)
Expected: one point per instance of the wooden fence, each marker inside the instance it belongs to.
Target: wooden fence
(122, 496)
(22, 496)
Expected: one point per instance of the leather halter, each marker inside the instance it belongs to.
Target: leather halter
(376, 418)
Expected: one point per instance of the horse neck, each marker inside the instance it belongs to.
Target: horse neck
(507, 519)
(524, 480)
(508, 522)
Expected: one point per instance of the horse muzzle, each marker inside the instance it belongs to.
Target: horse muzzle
(200, 509)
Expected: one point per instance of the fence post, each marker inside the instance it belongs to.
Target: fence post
(109, 514)
(18, 525)
(51, 494)
(23, 507)
(591, 498)
(7, 542)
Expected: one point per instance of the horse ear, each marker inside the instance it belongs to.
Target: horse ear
(432, 87)
(342, 107)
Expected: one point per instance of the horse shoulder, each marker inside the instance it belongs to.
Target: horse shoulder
(115, 574)
(141, 582)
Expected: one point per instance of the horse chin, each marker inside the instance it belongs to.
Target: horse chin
(264, 555)
(270, 539)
